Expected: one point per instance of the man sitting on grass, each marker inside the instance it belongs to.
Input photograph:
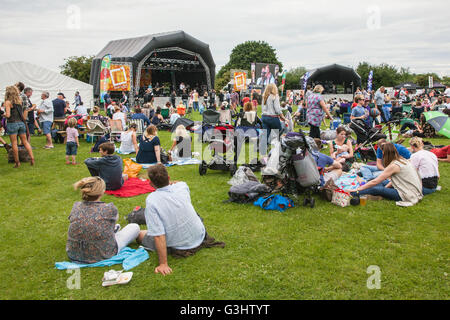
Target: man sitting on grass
(172, 221)
(109, 167)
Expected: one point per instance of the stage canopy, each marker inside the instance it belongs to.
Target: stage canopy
(41, 79)
(171, 57)
(335, 74)
(408, 85)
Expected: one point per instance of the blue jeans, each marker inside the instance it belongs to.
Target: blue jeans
(426, 191)
(387, 113)
(269, 123)
(16, 128)
(381, 190)
(195, 104)
(370, 172)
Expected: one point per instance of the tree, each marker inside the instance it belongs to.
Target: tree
(243, 55)
(383, 75)
(422, 79)
(77, 67)
(293, 77)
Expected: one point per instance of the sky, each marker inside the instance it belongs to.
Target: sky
(412, 34)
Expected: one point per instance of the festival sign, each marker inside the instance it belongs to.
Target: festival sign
(104, 76)
(240, 81)
(369, 81)
(120, 78)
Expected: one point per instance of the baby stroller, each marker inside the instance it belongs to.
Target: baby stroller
(366, 137)
(296, 172)
(221, 142)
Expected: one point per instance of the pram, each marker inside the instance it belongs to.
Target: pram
(366, 137)
(221, 142)
(289, 177)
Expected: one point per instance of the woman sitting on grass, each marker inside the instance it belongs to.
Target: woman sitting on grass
(181, 146)
(341, 148)
(149, 147)
(93, 234)
(128, 140)
(426, 164)
(406, 185)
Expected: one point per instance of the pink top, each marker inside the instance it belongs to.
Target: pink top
(72, 134)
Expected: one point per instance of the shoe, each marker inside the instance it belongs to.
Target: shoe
(68, 162)
(75, 163)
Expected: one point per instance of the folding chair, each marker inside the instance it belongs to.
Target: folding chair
(165, 113)
(140, 126)
(95, 128)
(116, 128)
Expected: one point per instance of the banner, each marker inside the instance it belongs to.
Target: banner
(305, 79)
(120, 78)
(369, 81)
(430, 82)
(283, 81)
(104, 76)
(253, 70)
(240, 81)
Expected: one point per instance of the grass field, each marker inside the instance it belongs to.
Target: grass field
(303, 253)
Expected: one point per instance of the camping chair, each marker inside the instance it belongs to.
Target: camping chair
(116, 128)
(95, 128)
(165, 113)
(140, 126)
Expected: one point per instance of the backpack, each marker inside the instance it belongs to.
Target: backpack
(247, 192)
(274, 202)
(137, 216)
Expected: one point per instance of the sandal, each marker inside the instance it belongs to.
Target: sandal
(113, 277)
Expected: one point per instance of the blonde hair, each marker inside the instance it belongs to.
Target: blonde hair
(12, 95)
(72, 122)
(416, 142)
(95, 109)
(270, 89)
(116, 108)
(91, 188)
(181, 131)
(318, 89)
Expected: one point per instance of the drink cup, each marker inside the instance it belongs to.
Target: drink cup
(363, 200)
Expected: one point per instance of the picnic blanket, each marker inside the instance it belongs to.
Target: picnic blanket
(350, 181)
(132, 187)
(129, 258)
(181, 162)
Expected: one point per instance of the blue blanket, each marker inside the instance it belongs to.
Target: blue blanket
(129, 258)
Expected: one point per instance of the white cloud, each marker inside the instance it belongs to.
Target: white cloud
(412, 34)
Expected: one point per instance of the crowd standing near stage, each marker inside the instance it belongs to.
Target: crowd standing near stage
(401, 174)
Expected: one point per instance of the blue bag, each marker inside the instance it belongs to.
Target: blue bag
(274, 202)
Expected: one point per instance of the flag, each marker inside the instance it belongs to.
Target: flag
(283, 81)
(305, 79)
(369, 81)
(104, 76)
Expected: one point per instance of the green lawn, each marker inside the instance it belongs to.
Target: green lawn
(303, 253)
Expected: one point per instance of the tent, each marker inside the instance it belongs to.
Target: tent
(42, 79)
(154, 52)
(336, 74)
(408, 85)
(438, 85)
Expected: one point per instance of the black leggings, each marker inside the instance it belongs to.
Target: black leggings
(314, 131)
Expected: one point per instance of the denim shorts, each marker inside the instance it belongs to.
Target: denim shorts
(46, 127)
(71, 148)
(16, 128)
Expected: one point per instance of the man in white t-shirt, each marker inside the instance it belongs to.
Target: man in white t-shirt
(447, 91)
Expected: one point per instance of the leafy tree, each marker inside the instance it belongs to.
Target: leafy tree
(243, 55)
(77, 67)
(422, 79)
(383, 75)
(293, 77)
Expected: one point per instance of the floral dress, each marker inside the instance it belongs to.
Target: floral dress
(314, 112)
(91, 235)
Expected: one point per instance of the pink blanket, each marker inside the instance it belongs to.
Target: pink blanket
(132, 187)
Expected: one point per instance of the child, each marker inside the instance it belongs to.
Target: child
(109, 167)
(72, 142)
(340, 153)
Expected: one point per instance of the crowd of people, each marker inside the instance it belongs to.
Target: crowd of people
(401, 174)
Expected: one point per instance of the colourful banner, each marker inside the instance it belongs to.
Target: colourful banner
(305, 79)
(120, 78)
(240, 81)
(104, 76)
(283, 81)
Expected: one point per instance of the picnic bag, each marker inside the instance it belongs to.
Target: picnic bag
(341, 198)
(306, 169)
(131, 168)
(327, 190)
(137, 216)
(274, 202)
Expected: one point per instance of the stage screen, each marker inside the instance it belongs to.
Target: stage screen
(265, 73)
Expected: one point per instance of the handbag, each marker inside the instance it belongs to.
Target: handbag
(164, 156)
(274, 202)
(341, 198)
(327, 190)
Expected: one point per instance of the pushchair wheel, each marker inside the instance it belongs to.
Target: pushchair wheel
(202, 168)
(312, 202)
(305, 202)
(233, 169)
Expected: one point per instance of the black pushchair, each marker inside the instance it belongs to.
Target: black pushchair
(366, 138)
(297, 171)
